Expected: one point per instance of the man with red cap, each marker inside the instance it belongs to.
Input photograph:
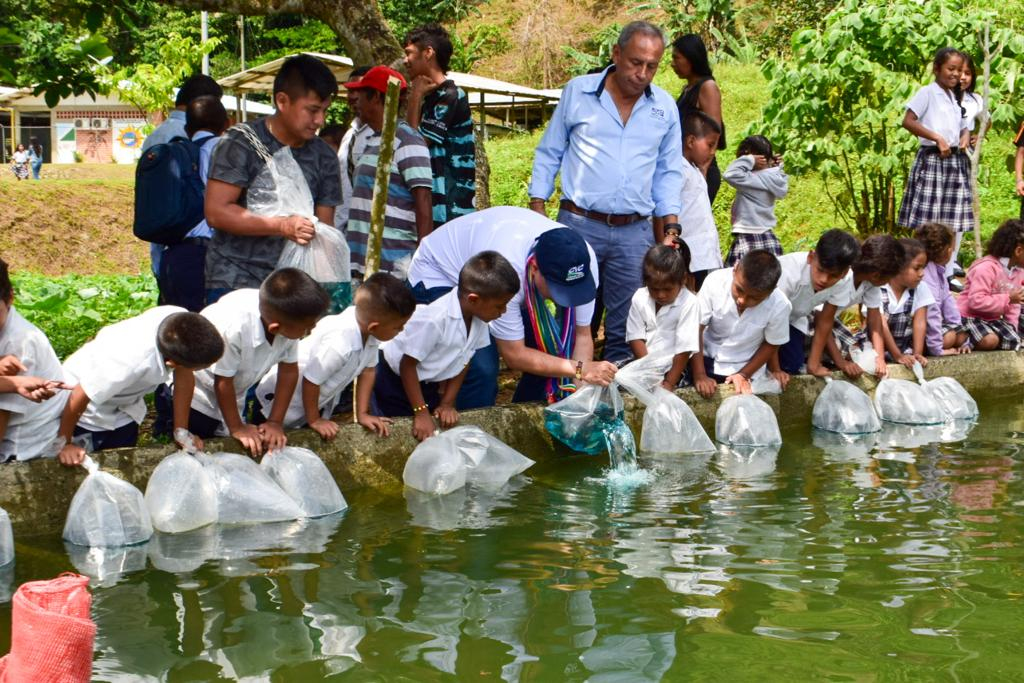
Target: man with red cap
(409, 214)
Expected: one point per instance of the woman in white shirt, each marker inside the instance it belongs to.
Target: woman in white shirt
(20, 165)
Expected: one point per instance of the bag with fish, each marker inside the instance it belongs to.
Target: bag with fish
(746, 420)
(181, 494)
(902, 401)
(489, 461)
(245, 494)
(106, 511)
(842, 407)
(580, 419)
(305, 478)
(951, 396)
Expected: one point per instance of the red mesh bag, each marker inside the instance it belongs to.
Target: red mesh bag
(52, 633)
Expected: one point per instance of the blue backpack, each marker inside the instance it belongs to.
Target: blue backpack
(169, 191)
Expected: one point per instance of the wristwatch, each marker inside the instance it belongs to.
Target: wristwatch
(579, 371)
(673, 229)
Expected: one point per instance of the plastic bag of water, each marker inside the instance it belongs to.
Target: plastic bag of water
(581, 419)
(106, 511)
(181, 495)
(951, 396)
(436, 467)
(303, 476)
(842, 407)
(865, 358)
(489, 461)
(746, 420)
(898, 400)
(6, 539)
(765, 384)
(643, 374)
(245, 494)
(671, 427)
(326, 259)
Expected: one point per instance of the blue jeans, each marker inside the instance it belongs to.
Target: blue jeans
(620, 255)
(36, 166)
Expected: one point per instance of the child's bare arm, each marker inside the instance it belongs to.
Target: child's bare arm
(327, 429)
(638, 347)
(675, 372)
(446, 413)
(272, 431)
(364, 389)
(71, 454)
(920, 329)
(248, 435)
(181, 403)
(876, 333)
(422, 421)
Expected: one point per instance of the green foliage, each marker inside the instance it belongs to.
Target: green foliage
(404, 15)
(595, 53)
(837, 106)
(478, 42)
(71, 309)
(695, 16)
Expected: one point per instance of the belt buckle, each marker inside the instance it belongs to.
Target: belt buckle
(608, 218)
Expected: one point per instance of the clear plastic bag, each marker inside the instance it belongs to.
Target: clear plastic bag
(435, 467)
(898, 400)
(245, 494)
(581, 420)
(842, 407)
(671, 427)
(644, 374)
(303, 476)
(764, 384)
(489, 461)
(865, 358)
(746, 420)
(951, 396)
(106, 512)
(181, 495)
(6, 539)
(326, 259)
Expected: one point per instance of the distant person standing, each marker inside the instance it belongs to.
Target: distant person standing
(440, 111)
(353, 145)
(19, 163)
(690, 62)
(35, 156)
(615, 139)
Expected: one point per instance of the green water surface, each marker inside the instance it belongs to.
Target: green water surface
(823, 562)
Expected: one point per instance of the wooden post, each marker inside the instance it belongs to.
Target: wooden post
(380, 183)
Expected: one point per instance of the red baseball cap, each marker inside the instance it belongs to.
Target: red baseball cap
(377, 79)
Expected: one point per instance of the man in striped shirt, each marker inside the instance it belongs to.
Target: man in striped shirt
(409, 216)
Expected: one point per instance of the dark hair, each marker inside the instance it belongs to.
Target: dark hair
(435, 36)
(881, 254)
(943, 55)
(699, 125)
(969, 63)
(761, 270)
(755, 144)
(333, 131)
(189, 340)
(292, 295)
(385, 295)
(488, 275)
(205, 112)
(358, 72)
(692, 47)
(836, 250)
(304, 73)
(33, 142)
(1006, 238)
(663, 263)
(936, 238)
(197, 86)
(911, 250)
(6, 289)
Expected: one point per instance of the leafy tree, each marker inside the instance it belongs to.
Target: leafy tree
(837, 106)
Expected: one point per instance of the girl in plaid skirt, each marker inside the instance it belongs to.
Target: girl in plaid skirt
(760, 181)
(945, 334)
(990, 303)
(905, 303)
(938, 187)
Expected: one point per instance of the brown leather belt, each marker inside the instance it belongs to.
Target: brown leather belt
(613, 219)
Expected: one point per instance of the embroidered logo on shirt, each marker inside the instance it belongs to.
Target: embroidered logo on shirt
(657, 113)
(575, 273)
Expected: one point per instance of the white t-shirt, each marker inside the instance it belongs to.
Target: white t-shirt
(698, 222)
(672, 329)
(331, 357)
(436, 336)
(247, 353)
(866, 294)
(20, 157)
(508, 230)
(795, 284)
(118, 368)
(938, 111)
(32, 427)
(972, 107)
(732, 338)
(922, 297)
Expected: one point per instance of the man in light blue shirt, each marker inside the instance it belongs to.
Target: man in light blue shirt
(615, 139)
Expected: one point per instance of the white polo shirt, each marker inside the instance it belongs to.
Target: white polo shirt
(938, 111)
(697, 221)
(32, 427)
(436, 336)
(118, 368)
(922, 297)
(331, 357)
(732, 338)
(508, 230)
(795, 284)
(247, 353)
(866, 294)
(672, 329)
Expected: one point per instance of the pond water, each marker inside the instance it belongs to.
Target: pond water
(819, 562)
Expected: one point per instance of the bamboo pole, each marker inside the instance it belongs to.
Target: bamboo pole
(380, 183)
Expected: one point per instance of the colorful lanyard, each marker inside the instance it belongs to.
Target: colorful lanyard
(551, 336)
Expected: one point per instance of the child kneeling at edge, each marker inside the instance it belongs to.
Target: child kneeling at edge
(341, 348)
(905, 302)
(112, 374)
(881, 259)
(990, 302)
(261, 328)
(820, 277)
(425, 364)
(663, 314)
(944, 334)
(760, 181)
(744, 318)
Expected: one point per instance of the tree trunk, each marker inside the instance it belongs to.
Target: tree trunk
(361, 28)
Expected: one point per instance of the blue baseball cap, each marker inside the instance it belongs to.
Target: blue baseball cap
(564, 261)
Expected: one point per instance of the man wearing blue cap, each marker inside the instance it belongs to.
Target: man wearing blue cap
(552, 348)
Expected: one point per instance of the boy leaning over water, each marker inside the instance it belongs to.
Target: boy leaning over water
(261, 328)
(112, 374)
(341, 348)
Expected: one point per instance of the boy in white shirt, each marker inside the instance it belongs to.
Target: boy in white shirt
(341, 348)
(663, 314)
(744, 318)
(810, 279)
(112, 374)
(425, 364)
(27, 428)
(261, 328)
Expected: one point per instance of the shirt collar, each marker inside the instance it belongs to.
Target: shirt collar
(454, 307)
(201, 135)
(177, 115)
(1006, 265)
(604, 77)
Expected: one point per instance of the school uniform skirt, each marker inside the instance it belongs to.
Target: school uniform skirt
(977, 329)
(743, 243)
(938, 191)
